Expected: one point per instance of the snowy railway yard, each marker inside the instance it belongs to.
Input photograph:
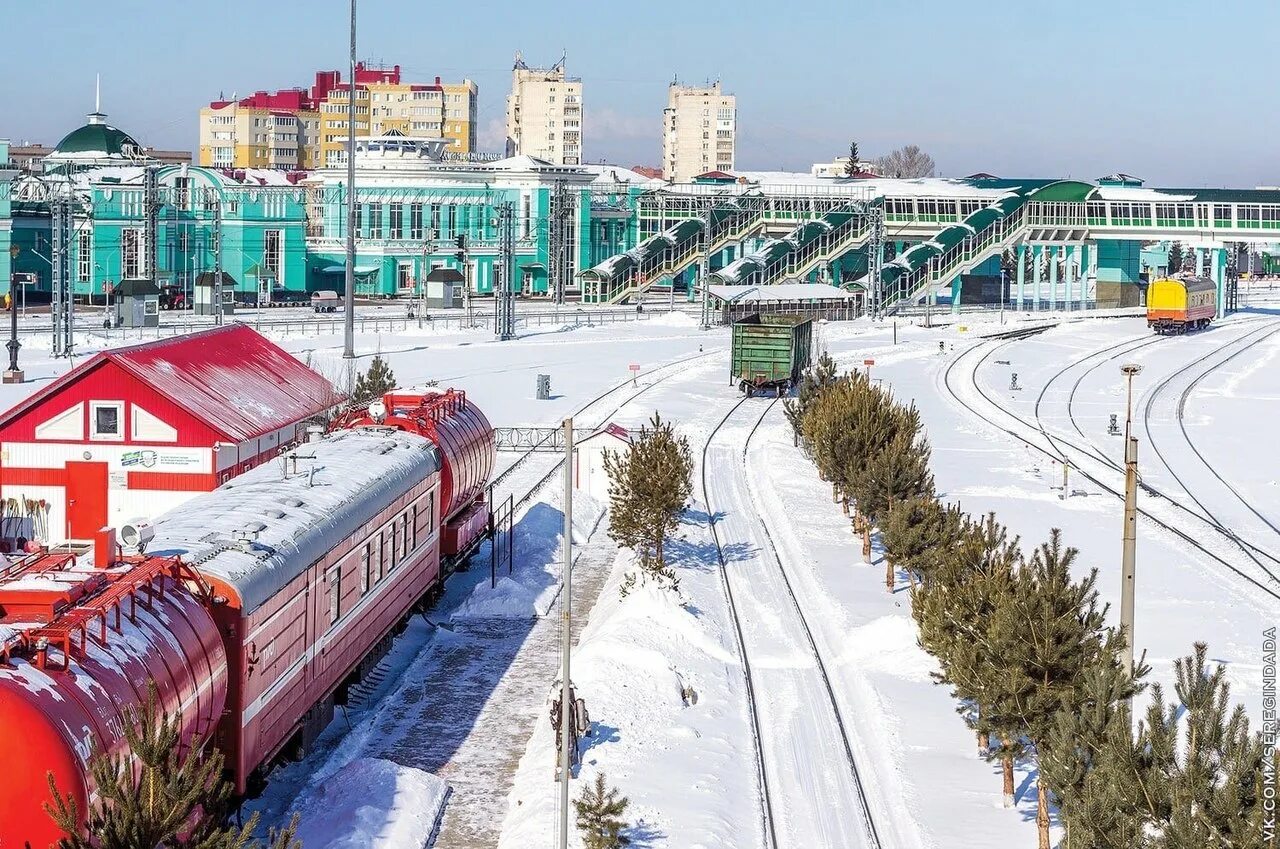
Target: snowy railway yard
(780, 698)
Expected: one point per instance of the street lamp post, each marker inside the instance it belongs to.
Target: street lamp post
(13, 374)
(1128, 561)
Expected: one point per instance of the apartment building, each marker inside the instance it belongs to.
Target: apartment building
(699, 131)
(544, 114)
(301, 129)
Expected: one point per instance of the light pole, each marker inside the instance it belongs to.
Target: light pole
(349, 327)
(1129, 554)
(566, 640)
(13, 374)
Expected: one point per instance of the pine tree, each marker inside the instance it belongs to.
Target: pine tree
(958, 613)
(649, 485)
(851, 167)
(1174, 263)
(918, 534)
(1051, 635)
(374, 383)
(1092, 765)
(1209, 786)
(816, 379)
(877, 421)
(599, 816)
(176, 796)
(897, 472)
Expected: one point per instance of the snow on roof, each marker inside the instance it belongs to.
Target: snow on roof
(235, 380)
(1134, 193)
(342, 481)
(779, 292)
(619, 174)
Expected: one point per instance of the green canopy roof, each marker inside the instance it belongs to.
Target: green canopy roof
(1064, 190)
(984, 218)
(951, 236)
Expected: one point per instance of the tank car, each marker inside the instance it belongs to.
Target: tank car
(467, 457)
(1179, 304)
(78, 642)
(256, 607)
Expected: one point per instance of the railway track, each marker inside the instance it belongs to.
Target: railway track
(1089, 447)
(1270, 585)
(555, 462)
(770, 808)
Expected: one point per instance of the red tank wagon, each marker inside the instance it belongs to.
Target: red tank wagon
(256, 608)
(465, 439)
(77, 646)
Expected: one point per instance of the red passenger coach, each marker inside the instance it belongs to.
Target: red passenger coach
(465, 439)
(255, 608)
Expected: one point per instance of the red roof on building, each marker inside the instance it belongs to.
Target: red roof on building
(715, 175)
(231, 378)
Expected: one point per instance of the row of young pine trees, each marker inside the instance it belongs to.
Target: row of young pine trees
(1024, 647)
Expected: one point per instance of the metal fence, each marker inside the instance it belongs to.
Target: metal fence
(526, 320)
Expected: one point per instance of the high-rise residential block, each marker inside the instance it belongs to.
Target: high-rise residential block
(304, 129)
(544, 114)
(699, 131)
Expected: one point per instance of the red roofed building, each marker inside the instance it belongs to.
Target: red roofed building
(133, 432)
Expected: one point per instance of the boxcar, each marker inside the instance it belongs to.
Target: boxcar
(769, 351)
(1179, 304)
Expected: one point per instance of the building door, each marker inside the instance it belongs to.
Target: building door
(86, 499)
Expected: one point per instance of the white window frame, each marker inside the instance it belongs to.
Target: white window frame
(94, 434)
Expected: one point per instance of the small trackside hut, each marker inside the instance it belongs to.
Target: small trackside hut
(769, 352)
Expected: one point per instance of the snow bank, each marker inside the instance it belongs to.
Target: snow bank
(673, 319)
(371, 804)
(530, 592)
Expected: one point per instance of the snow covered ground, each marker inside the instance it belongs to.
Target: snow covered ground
(663, 672)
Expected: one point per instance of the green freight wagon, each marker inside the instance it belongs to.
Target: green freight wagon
(769, 351)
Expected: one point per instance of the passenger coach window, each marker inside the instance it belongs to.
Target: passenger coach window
(366, 576)
(335, 594)
(394, 546)
(404, 535)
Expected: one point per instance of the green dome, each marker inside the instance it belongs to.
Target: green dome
(99, 138)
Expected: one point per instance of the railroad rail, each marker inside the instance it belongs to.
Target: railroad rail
(767, 811)
(1059, 456)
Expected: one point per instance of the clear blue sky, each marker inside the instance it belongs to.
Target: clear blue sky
(1178, 92)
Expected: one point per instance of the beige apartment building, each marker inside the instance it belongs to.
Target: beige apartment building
(544, 114)
(301, 129)
(699, 131)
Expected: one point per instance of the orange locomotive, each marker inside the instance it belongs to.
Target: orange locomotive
(1179, 304)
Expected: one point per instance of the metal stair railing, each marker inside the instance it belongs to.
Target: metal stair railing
(970, 251)
(802, 260)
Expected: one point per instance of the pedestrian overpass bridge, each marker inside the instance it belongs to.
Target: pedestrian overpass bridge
(1076, 243)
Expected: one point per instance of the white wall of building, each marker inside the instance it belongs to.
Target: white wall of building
(699, 132)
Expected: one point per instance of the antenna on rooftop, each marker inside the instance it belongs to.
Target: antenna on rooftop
(97, 92)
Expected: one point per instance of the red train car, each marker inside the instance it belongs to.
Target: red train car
(467, 455)
(77, 645)
(257, 606)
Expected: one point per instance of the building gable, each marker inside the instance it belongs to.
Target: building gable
(146, 427)
(69, 424)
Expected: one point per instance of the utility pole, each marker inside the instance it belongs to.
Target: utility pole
(875, 257)
(1129, 554)
(349, 324)
(151, 208)
(504, 296)
(566, 638)
(217, 260)
(704, 263)
(62, 215)
(558, 241)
